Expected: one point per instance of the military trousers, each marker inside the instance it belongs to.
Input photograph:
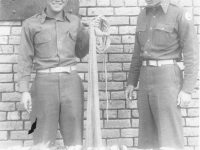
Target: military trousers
(160, 120)
(57, 98)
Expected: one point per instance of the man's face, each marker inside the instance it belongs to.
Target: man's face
(153, 2)
(56, 5)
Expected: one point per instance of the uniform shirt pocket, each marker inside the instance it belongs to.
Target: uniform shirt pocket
(141, 33)
(70, 43)
(162, 35)
(43, 46)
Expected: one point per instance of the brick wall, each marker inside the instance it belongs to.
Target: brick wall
(122, 126)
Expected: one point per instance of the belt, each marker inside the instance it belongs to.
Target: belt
(158, 62)
(58, 69)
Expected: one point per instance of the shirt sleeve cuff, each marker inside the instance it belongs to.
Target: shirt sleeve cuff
(24, 86)
(189, 83)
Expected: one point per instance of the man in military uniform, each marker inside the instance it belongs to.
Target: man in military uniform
(164, 31)
(53, 39)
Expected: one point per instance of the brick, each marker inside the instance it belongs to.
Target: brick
(129, 132)
(100, 11)
(100, 58)
(6, 49)
(6, 87)
(115, 49)
(114, 133)
(129, 48)
(16, 30)
(4, 31)
(82, 67)
(193, 141)
(16, 49)
(113, 30)
(3, 39)
(115, 39)
(8, 58)
(127, 11)
(142, 3)
(10, 143)
(127, 29)
(118, 20)
(113, 104)
(193, 112)
(117, 3)
(6, 77)
(197, 11)
(194, 104)
(128, 39)
(125, 141)
(11, 125)
(111, 114)
(14, 40)
(5, 68)
(3, 135)
(185, 2)
(190, 131)
(120, 57)
(131, 104)
(28, 143)
(114, 67)
(87, 3)
(103, 2)
(19, 107)
(119, 76)
(82, 11)
(192, 122)
(197, 20)
(2, 116)
(102, 77)
(19, 135)
(126, 66)
(133, 20)
(13, 115)
(135, 113)
(25, 116)
(111, 86)
(117, 95)
(7, 106)
(123, 123)
(11, 96)
(27, 125)
(184, 112)
(135, 141)
(124, 113)
(135, 123)
(9, 23)
(196, 2)
(130, 3)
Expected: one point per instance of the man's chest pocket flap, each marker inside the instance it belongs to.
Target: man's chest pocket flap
(42, 37)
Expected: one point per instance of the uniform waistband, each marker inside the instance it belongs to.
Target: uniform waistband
(68, 69)
(158, 62)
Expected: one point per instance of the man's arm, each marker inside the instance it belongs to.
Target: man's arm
(82, 44)
(25, 62)
(190, 47)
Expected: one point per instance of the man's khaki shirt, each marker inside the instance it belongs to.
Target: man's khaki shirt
(50, 43)
(165, 32)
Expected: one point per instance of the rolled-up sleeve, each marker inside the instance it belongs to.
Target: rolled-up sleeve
(25, 58)
(82, 44)
(190, 47)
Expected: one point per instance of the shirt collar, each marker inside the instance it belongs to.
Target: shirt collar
(164, 5)
(44, 16)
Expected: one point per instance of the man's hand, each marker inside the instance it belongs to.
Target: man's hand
(129, 92)
(26, 101)
(184, 99)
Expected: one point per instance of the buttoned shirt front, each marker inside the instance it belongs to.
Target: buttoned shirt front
(165, 32)
(50, 43)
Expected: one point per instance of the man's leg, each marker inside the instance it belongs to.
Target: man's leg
(71, 114)
(148, 135)
(163, 102)
(45, 99)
